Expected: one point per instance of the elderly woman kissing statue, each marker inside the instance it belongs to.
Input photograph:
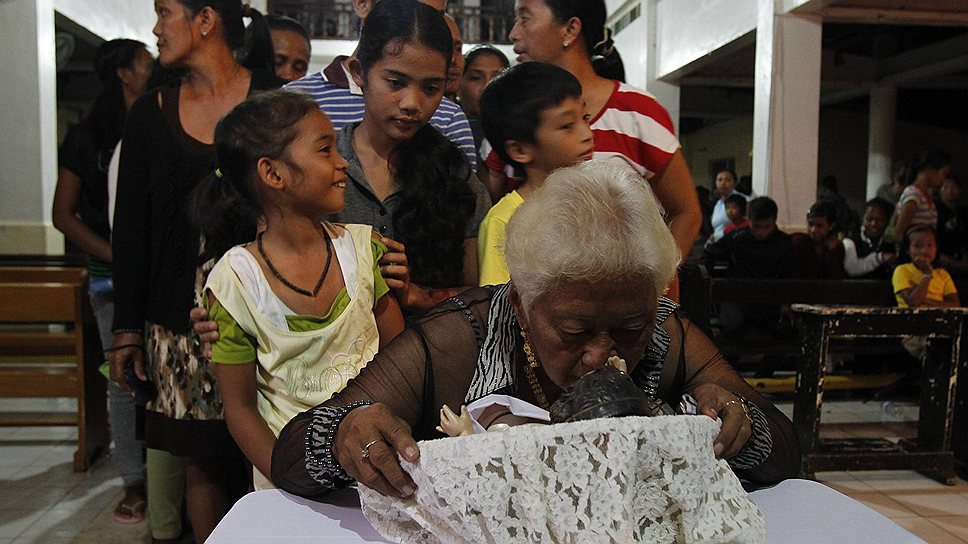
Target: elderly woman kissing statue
(589, 257)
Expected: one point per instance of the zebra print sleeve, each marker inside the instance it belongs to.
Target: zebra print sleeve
(760, 444)
(320, 462)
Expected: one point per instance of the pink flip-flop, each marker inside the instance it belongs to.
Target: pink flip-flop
(129, 514)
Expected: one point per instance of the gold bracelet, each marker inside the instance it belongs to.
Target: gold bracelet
(742, 405)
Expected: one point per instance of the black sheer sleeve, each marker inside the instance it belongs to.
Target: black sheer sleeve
(436, 355)
(773, 452)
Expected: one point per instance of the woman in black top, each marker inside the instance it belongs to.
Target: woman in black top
(168, 148)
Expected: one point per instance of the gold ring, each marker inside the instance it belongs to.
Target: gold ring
(366, 449)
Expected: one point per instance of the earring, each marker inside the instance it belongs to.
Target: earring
(564, 45)
(204, 33)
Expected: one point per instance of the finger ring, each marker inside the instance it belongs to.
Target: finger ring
(366, 449)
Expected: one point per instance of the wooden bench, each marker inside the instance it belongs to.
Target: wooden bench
(49, 347)
(702, 294)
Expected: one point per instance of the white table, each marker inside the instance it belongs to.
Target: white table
(797, 511)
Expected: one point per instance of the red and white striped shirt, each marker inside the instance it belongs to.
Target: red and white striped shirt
(632, 126)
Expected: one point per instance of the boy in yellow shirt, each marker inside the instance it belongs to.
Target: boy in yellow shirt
(534, 116)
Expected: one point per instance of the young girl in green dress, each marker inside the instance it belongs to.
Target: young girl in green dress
(303, 307)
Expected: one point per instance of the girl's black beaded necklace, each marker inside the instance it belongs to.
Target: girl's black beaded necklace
(329, 258)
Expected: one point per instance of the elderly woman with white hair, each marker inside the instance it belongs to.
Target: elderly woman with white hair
(589, 258)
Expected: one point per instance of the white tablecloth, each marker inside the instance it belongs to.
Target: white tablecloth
(797, 512)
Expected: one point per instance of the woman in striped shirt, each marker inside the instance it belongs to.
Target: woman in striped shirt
(628, 123)
(916, 206)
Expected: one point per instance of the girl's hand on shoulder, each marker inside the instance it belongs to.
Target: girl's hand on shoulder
(395, 267)
(366, 446)
(205, 329)
(716, 402)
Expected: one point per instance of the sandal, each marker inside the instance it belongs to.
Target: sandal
(129, 514)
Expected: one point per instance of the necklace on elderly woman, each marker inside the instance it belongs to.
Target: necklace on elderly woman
(329, 258)
(529, 372)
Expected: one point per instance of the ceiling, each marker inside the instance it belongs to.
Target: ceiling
(920, 47)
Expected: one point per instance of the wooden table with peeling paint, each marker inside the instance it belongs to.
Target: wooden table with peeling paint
(931, 453)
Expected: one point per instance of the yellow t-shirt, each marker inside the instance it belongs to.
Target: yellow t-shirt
(907, 276)
(490, 240)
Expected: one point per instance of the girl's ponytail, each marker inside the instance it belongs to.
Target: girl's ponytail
(225, 215)
(605, 58)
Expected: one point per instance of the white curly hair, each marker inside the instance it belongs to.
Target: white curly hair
(594, 221)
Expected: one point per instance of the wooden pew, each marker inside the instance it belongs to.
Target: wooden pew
(702, 295)
(49, 347)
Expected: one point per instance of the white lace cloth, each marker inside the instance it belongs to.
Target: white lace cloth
(629, 479)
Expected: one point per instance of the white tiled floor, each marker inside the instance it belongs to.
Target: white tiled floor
(43, 501)
(936, 512)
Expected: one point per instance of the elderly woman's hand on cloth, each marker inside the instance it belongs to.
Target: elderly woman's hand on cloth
(716, 402)
(367, 444)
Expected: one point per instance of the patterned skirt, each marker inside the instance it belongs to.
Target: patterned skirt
(186, 417)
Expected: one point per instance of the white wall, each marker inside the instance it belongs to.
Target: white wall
(112, 19)
(688, 30)
(28, 148)
(729, 139)
(631, 44)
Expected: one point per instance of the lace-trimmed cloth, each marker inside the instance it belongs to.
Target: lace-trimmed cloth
(615, 480)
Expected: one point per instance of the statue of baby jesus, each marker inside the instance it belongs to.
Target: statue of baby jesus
(497, 417)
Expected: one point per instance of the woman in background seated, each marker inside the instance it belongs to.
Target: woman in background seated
(564, 313)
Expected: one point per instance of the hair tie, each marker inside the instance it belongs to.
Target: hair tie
(218, 173)
(605, 47)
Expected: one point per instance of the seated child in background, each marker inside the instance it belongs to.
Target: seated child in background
(535, 117)
(736, 213)
(302, 309)
(759, 251)
(920, 282)
(869, 255)
(819, 254)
